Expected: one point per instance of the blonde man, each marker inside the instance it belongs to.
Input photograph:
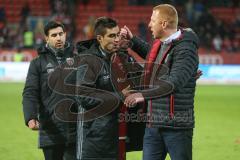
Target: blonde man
(171, 117)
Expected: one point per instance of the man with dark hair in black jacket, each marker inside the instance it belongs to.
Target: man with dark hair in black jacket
(100, 136)
(56, 138)
(171, 117)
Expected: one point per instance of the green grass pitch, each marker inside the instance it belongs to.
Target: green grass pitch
(216, 135)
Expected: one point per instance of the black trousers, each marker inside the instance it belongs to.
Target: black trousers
(60, 152)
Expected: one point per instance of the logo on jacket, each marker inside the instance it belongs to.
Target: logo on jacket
(50, 68)
(105, 77)
(70, 61)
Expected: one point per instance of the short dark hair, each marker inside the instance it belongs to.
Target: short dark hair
(102, 23)
(52, 25)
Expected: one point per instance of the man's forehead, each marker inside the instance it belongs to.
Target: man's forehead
(112, 30)
(55, 30)
(155, 13)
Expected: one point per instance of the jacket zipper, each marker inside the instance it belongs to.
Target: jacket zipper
(172, 106)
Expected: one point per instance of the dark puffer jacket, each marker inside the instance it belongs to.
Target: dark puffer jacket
(175, 110)
(39, 100)
(100, 136)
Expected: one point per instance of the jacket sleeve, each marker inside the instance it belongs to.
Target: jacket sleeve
(88, 79)
(140, 46)
(184, 65)
(31, 93)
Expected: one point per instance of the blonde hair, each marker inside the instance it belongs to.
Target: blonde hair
(169, 13)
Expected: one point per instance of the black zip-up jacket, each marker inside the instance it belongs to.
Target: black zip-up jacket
(100, 140)
(175, 110)
(100, 136)
(39, 99)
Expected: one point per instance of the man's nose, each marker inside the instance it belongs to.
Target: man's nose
(117, 39)
(58, 37)
(149, 25)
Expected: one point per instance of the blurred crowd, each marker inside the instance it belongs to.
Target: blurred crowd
(214, 33)
(28, 33)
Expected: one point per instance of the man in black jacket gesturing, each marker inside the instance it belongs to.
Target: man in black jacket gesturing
(105, 57)
(170, 117)
(56, 138)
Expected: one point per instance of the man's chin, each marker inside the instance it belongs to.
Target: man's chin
(114, 50)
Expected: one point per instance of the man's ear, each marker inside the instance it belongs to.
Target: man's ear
(165, 24)
(99, 38)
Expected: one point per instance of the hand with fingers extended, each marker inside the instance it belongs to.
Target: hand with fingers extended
(127, 91)
(33, 124)
(132, 99)
(126, 33)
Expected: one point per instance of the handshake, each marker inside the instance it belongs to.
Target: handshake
(132, 97)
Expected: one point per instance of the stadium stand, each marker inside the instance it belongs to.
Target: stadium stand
(217, 25)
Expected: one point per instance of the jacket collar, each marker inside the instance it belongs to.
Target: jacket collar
(68, 50)
(172, 37)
